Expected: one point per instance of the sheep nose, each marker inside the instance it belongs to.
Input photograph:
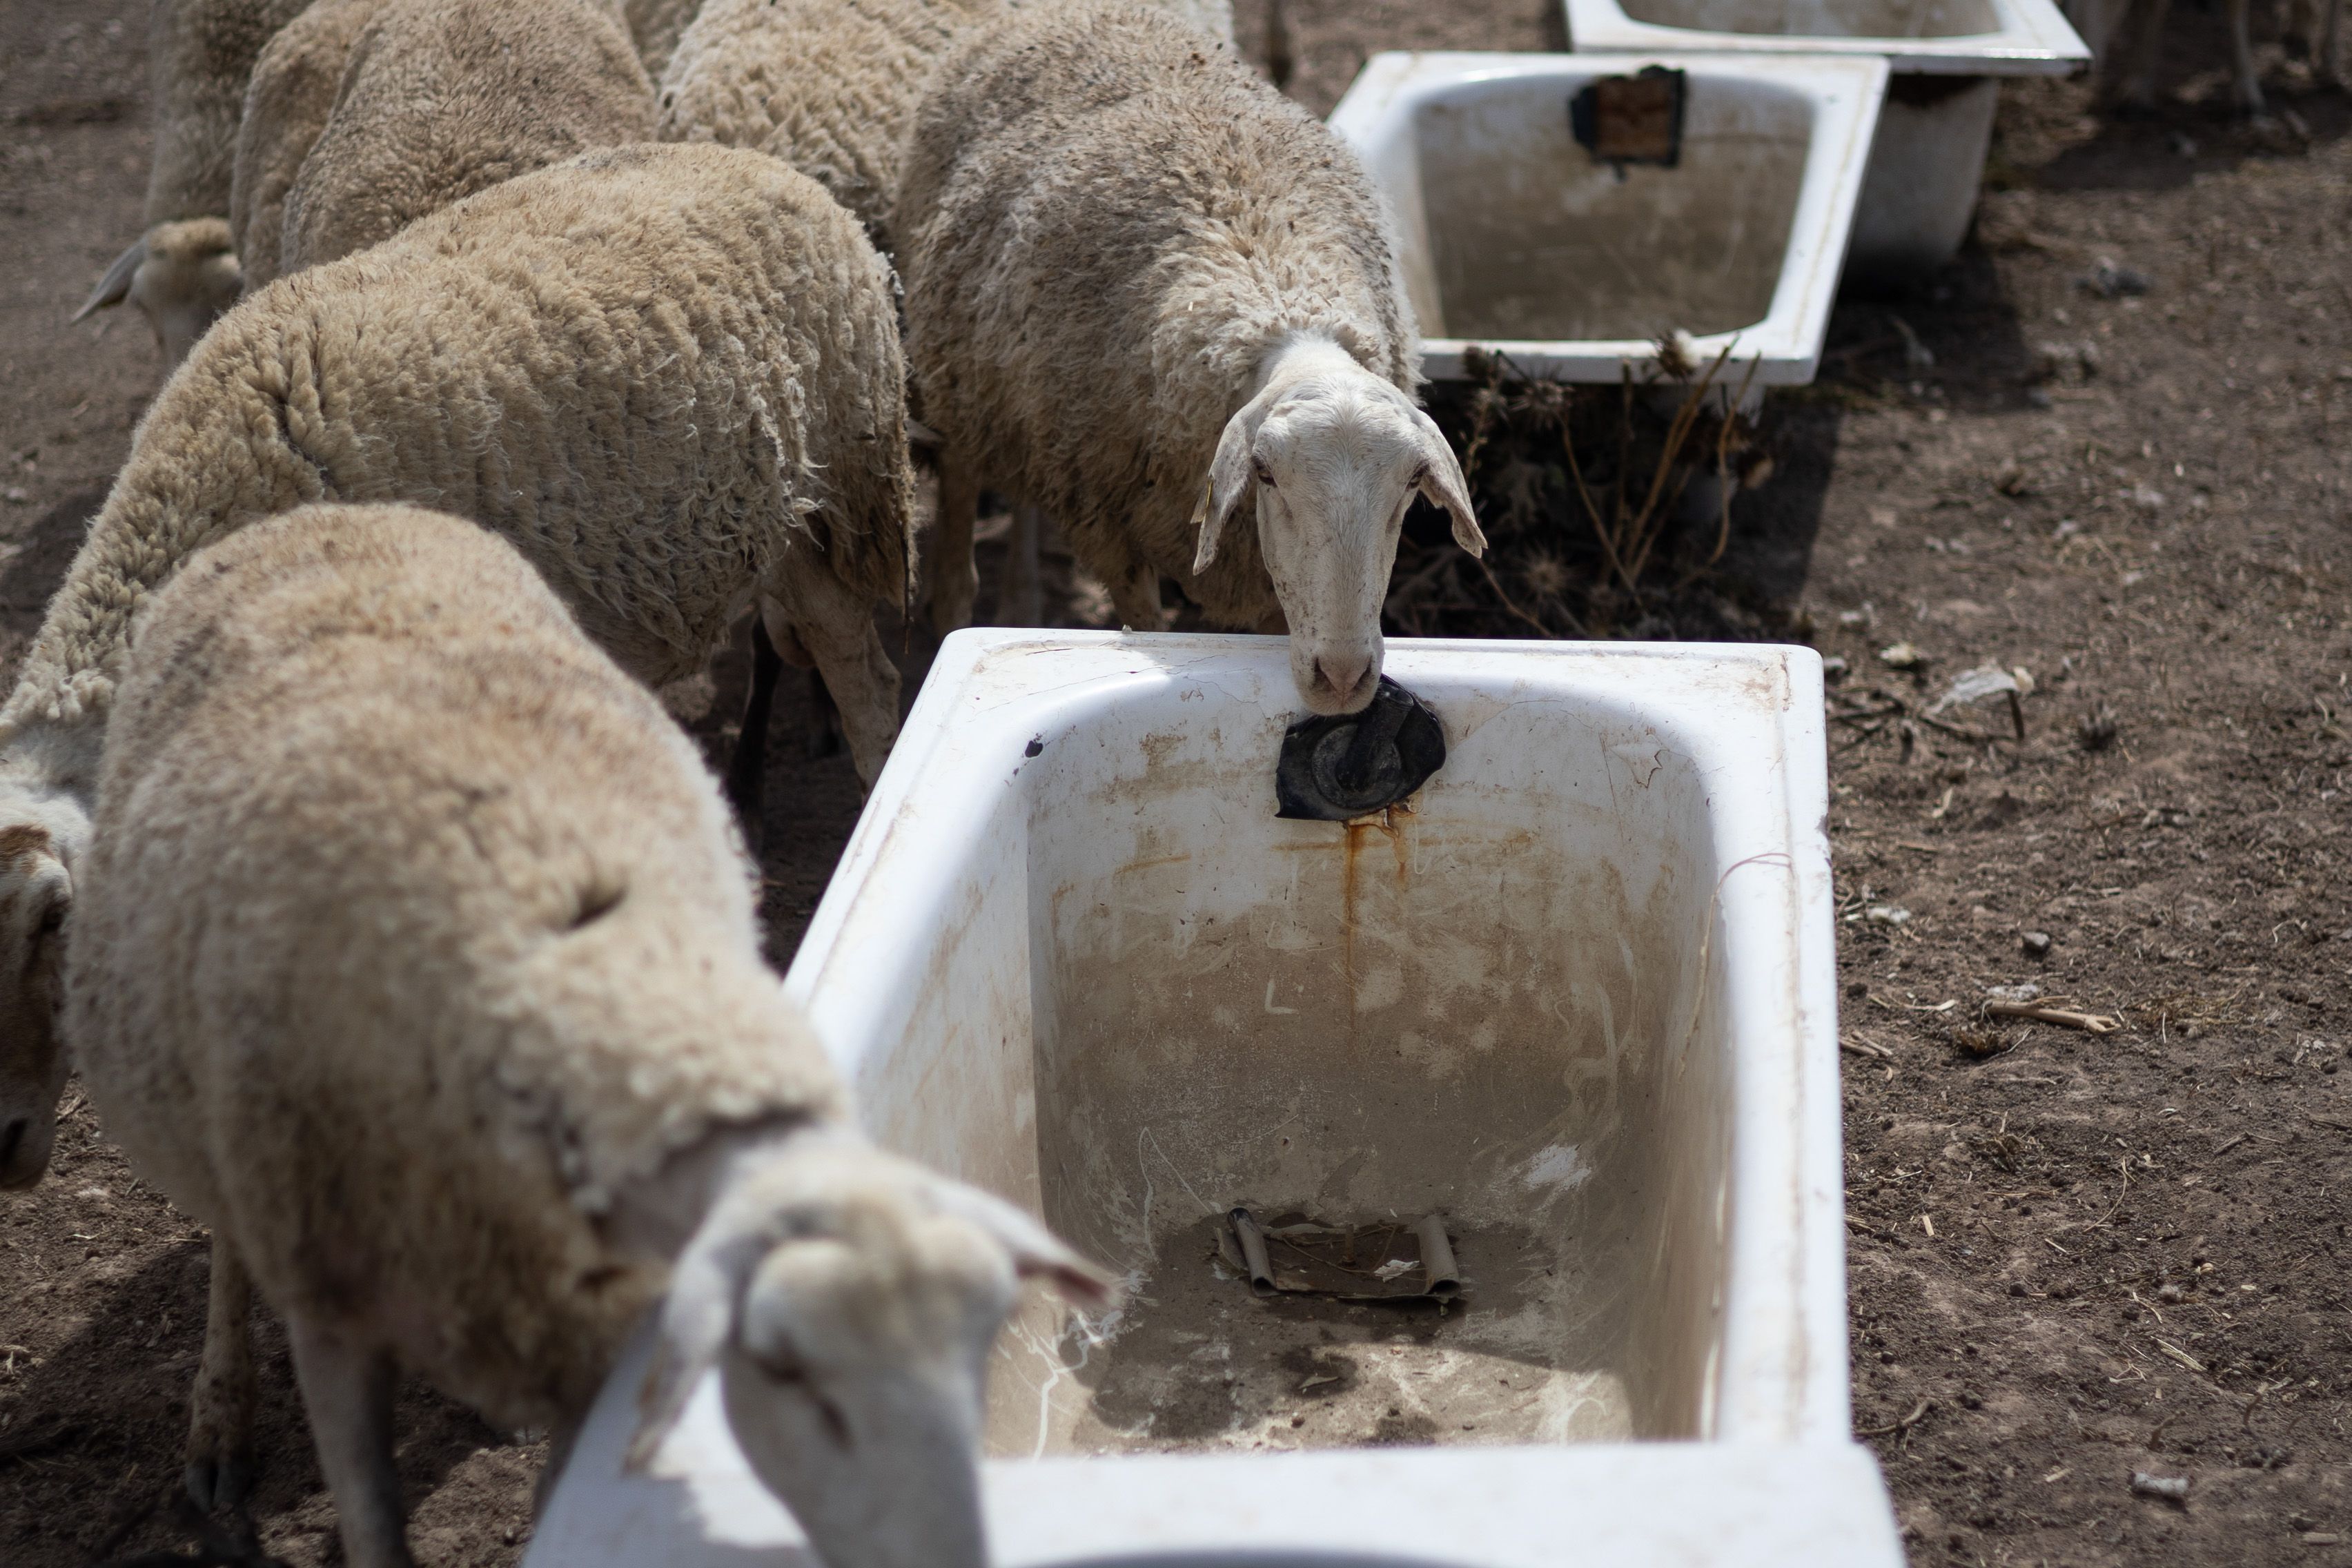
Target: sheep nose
(1343, 673)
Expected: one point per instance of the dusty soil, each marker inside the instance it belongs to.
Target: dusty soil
(2074, 1256)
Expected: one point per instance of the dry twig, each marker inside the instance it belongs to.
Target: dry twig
(1908, 1422)
(2096, 1022)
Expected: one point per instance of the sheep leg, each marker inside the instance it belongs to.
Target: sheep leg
(824, 737)
(825, 719)
(836, 628)
(747, 773)
(347, 1387)
(220, 1415)
(1020, 601)
(1135, 596)
(2247, 84)
(2138, 90)
(955, 580)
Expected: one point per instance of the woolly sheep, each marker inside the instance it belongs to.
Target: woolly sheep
(433, 101)
(655, 25)
(287, 102)
(831, 86)
(828, 86)
(181, 272)
(669, 374)
(1144, 290)
(418, 958)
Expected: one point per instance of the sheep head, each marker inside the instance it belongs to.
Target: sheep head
(1332, 455)
(849, 1298)
(38, 838)
(182, 276)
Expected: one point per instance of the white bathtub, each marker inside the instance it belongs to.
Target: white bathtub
(1578, 998)
(1947, 58)
(1514, 237)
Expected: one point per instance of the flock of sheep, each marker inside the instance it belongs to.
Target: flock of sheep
(521, 346)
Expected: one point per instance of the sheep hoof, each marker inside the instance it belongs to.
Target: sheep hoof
(218, 1484)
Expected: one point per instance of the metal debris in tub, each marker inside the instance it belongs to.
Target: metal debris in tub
(1294, 1255)
(1636, 119)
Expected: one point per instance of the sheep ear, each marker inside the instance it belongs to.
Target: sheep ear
(1037, 1254)
(695, 1319)
(115, 286)
(1232, 481)
(1442, 484)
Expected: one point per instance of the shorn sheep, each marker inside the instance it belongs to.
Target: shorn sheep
(1150, 294)
(669, 374)
(418, 958)
(430, 100)
(181, 272)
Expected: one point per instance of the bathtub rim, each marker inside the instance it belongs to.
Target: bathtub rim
(2033, 39)
(1844, 90)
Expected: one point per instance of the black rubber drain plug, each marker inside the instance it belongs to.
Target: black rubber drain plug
(1352, 764)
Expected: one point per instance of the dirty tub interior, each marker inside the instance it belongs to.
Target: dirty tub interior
(1515, 235)
(1576, 997)
(1948, 57)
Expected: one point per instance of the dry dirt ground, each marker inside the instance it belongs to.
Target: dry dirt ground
(2074, 1256)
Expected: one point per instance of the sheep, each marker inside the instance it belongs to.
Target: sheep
(362, 117)
(418, 957)
(180, 272)
(2313, 25)
(670, 375)
(655, 25)
(287, 102)
(1144, 290)
(831, 86)
(2135, 90)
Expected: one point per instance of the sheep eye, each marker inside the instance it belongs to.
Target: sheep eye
(1263, 477)
(781, 1366)
(837, 1424)
(1419, 478)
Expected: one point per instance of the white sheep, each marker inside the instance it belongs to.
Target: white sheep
(363, 115)
(286, 101)
(417, 956)
(669, 374)
(2314, 27)
(655, 25)
(831, 86)
(181, 272)
(1145, 291)
(828, 86)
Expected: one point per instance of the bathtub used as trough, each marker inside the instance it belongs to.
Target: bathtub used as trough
(1947, 58)
(1514, 236)
(1576, 996)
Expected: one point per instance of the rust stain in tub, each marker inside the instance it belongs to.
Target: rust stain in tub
(1359, 831)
